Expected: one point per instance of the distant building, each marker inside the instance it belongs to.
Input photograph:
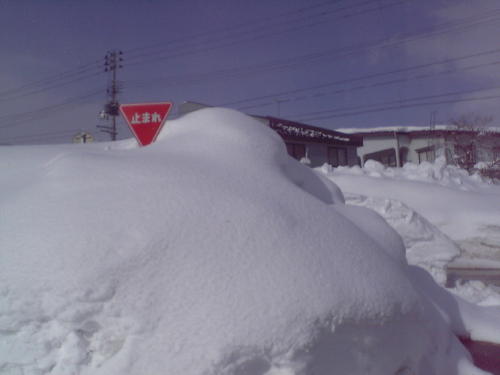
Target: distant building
(394, 146)
(310, 144)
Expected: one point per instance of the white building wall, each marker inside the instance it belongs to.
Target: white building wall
(414, 139)
(424, 141)
(404, 140)
(375, 143)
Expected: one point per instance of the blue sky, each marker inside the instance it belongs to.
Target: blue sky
(336, 64)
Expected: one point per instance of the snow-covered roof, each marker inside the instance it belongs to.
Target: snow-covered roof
(409, 129)
(380, 129)
(288, 128)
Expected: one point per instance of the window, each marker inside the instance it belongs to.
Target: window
(403, 156)
(337, 156)
(386, 157)
(296, 150)
(426, 154)
(496, 154)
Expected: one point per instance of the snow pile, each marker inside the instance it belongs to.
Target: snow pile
(479, 293)
(209, 252)
(426, 246)
(421, 201)
(462, 206)
(438, 173)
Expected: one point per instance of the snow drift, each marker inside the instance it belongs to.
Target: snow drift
(464, 207)
(426, 246)
(208, 252)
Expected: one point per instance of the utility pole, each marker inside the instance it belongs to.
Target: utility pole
(112, 62)
(432, 121)
(432, 127)
(278, 104)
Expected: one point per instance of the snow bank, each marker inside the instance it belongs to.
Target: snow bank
(208, 252)
(426, 246)
(437, 173)
(460, 205)
(470, 217)
(478, 293)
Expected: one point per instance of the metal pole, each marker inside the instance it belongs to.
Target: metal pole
(113, 98)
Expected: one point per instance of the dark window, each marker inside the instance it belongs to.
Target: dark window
(296, 150)
(496, 154)
(337, 156)
(403, 156)
(426, 154)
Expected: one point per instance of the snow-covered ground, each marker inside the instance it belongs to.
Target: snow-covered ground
(446, 217)
(465, 208)
(214, 252)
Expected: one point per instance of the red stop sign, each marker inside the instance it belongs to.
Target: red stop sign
(145, 119)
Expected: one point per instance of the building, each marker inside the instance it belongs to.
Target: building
(310, 144)
(394, 146)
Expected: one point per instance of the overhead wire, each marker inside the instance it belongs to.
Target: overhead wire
(11, 120)
(233, 27)
(51, 80)
(251, 37)
(51, 86)
(281, 64)
(418, 76)
(397, 104)
(255, 25)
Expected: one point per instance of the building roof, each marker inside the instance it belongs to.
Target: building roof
(412, 130)
(299, 131)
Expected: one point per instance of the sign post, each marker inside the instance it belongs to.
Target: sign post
(145, 120)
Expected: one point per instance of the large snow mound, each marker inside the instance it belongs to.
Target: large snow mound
(208, 252)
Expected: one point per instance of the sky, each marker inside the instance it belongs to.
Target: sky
(334, 64)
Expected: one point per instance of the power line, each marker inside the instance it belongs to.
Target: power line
(388, 42)
(50, 80)
(419, 76)
(95, 64)
(208, 48)
(24, 117)
(397, 107)
(228, 29)
(254, 26)
(398, 104)
(365, 77)
(281, 64)
(44, 89)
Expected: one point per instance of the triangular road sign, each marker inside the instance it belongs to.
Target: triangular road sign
(145, 119)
